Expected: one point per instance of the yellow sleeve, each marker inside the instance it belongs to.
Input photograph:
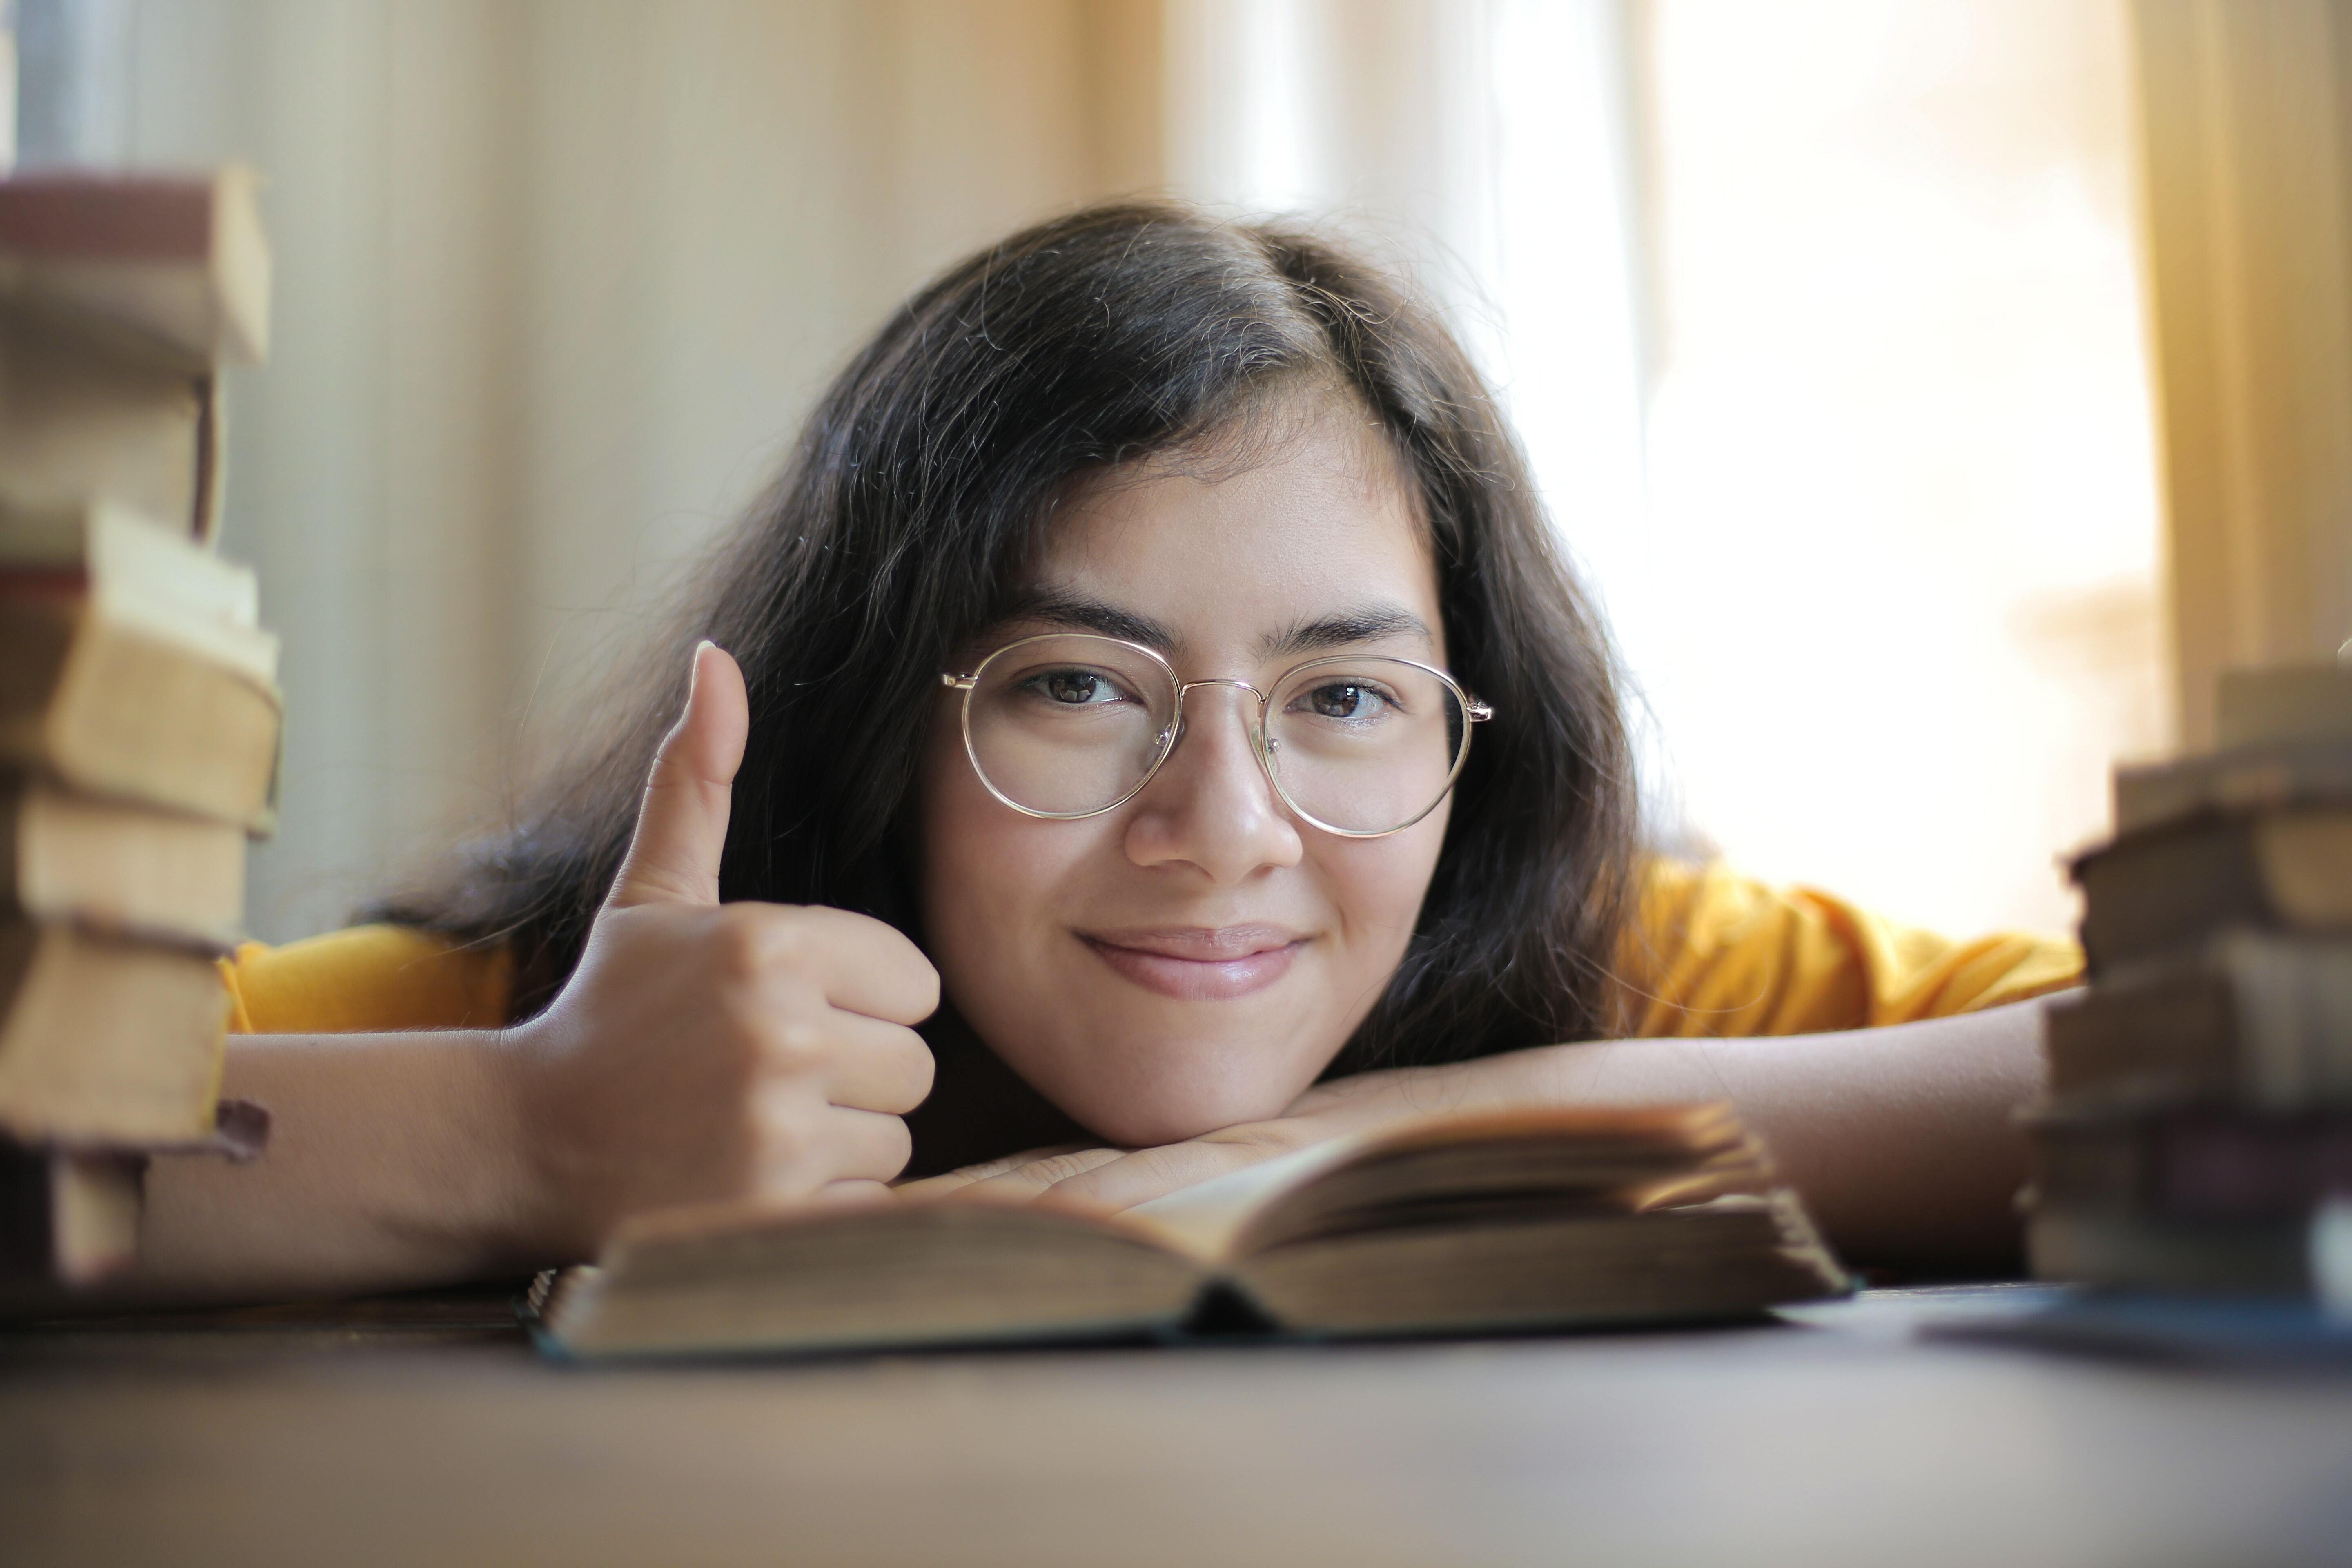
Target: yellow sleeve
(1714, 954)
(366, 979)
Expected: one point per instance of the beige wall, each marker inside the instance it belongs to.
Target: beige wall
(556, 282)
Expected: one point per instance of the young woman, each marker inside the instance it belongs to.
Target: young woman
(1154, 731)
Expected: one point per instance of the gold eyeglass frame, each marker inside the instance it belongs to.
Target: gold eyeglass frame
(1474, 711)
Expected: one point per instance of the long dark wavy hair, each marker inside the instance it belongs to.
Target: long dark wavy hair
(925, 478)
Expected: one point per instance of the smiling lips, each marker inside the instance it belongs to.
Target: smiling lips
(1199, 964)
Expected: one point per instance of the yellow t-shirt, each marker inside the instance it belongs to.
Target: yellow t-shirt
(1710, 953)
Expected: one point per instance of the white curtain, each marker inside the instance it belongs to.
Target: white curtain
(1820, 321)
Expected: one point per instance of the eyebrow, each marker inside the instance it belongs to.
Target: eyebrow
(1359, 624)
(1059, 608)
(1368, 623)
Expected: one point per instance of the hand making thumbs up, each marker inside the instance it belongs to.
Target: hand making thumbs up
(705, 1051)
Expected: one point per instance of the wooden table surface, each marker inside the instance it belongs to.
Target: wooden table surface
(430, 1432)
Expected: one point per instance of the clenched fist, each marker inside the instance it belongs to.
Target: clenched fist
(705, 1051)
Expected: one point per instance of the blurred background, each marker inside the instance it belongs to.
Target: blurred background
(1831, 325)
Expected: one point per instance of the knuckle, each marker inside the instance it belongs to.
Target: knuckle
(783, 1121)
(795, 1044)
(739, 946)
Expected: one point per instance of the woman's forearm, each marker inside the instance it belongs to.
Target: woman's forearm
(394, 1162)
(1902, 1139)
(402, 1160)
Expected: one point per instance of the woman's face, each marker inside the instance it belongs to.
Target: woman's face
(1196, 957)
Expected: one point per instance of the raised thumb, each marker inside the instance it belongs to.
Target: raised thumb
(682, 823)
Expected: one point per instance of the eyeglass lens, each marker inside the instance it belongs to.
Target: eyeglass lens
(1069, 725)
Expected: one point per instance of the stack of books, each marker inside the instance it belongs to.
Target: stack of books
(139, 704)
(2198, 1133)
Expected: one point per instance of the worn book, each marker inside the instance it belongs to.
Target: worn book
(2259, 1018)
(119, 297)
(68, 1214)
(2255, 778)
(2283, 738)
(2284, 704)
(83, 419)
(177, 264)
(69, 1207)
(119, 867)
(2126, 1249)
(2218, 1162)
(106, 1040)
(130, 664)
(2287, 869)
(1518, 1220)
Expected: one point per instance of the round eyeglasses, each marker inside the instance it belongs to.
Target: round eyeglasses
(1071, 725)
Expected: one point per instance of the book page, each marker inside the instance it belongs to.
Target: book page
(1203, 1219)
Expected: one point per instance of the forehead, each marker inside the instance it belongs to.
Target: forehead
(1305, 515)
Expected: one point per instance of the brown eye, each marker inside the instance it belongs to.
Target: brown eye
(1342, 701)
(1337, 701)
(1073, 685)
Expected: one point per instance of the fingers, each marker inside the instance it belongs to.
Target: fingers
(966, 1175)
(802, 1152)
(682, 823)
(857, 962)
(865, 965)
(874, 1066)
(1149, 1173)
(858, 1190)
(1034, 1178)
(1107, 1179)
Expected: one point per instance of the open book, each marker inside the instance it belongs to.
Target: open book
(1485, 1222)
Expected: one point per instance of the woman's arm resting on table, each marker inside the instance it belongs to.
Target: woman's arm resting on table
(699, 1052)
(1902, 1140)
(394, 1162)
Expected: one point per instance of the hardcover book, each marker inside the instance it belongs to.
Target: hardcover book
(106, 1041)
(130, 664)
(2263, 1019)
(176, 264)
(2287, 869)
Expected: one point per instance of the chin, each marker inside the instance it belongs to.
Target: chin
(1150, 1108)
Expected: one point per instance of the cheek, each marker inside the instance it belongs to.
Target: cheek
(1377, 886)
(992, 879)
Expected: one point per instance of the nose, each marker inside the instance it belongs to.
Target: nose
(1210, 805)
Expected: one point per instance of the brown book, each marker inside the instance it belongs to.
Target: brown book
(2118, 1250)
(2284, 704)
(68, 1214)
(2198, 1163)
(2262, 1019)
(1495, 1222)
(177, 263)
(82, 418)
(2273, 775)
(2283, 738)
(106, 1040)
(130, 666)
(2160, 888)
(119, 866)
